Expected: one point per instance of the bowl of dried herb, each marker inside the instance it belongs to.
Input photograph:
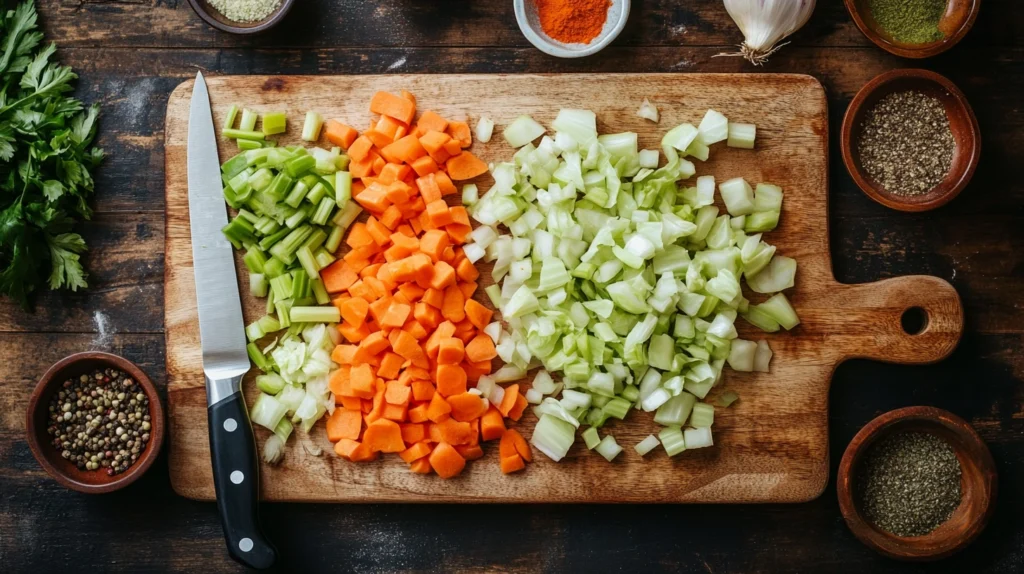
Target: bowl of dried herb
(917, 483)
(910, 140)
(914, 28)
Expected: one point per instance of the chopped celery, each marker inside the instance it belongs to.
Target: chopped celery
(553, 436)
(676, 410)
(779, 309)
(672, 439)
(470, 194)
(713, 128)
(270, 383)
(274, 123)
(267, 411)
(311, 127)
(703, 415)
(648, 111)
(647, 445)
(742, 135)
(315, 315)
(258, 285)
(762, 357)
(698, 437)
(727, 399)
(522, 131)
(254, 332)
(229, 119)
(248, 121)
(608, 448)
(342, 188)
(243, 134)
(246, 145)
(256, 356)
(591, 438)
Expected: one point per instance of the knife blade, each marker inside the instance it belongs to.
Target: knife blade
(222, 336)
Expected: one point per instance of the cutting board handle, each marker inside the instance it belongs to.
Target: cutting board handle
(870, 322)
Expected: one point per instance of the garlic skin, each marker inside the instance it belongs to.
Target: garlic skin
(765, 23)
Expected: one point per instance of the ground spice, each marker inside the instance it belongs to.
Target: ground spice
(572, 21)
(910, 21)
(906, 145)
(909, 483)
(100, 421)
(245, 10)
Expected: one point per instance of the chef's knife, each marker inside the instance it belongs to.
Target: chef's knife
(222, 334)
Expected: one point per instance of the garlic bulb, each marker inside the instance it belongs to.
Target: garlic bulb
(765, 23)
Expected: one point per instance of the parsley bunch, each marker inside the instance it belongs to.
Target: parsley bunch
(45, 156)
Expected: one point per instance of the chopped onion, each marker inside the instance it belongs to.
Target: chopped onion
(484, 129)
(648, 111)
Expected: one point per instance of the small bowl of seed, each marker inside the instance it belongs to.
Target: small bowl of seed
(242, 16)
(917, 484)
(95, 423)
(910, 140)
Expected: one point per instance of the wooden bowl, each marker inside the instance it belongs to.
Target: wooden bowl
(955, 23)
(36, 420)
(962, 123)
(218, 21)
(977, 485)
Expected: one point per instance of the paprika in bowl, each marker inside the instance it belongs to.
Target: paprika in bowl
(571, 28)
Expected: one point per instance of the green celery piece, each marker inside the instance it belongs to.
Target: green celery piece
(297, 166)
(274, 123)
(322, 214)
(319, 291)
(269, 241)
(334, 239)
(248, 121)
(256, 356)
(300, 284)
(229, 119)
(309, 265)
(255, 259)
(311, 128)
(234, 166)
(326, 314)
(245, 145)
(239, 232)
(297, 194)
(280, 185)
(342, 187)
(243, 134)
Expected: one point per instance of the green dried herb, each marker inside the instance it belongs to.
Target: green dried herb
(909, 483)
(910, 21)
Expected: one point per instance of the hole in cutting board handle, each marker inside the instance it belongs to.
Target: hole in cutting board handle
(914, 321)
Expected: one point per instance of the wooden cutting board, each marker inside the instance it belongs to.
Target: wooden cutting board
(770, 446)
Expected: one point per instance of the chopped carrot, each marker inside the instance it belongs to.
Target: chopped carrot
(405, 150)
(424, 166)
(467, 406)
(460, 131)
(469, 451)
(453, 307)
(451, 380)
(397, 393)
(477, 314)
(390, 366)
(430, 121)
(465, 166)
(516, 412)
(439, 409)
(344, 423)
(354, 310)
(383, 435)
(391, 105)
(512, 464)
(451, 351)
(522, 448)
(354, 451)
(418, 414)
(338, 277)
(446, 461)
(509, 400)
(422, 390)
(415, 452)
(481, 348)
(340, 134)
(444, 183)
(396, 315)
(492, 424)
(421, 466)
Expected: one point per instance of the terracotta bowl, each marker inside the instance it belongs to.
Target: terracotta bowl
(955, 23)
(66, 473)
(214, 18)
(962, 123)
(977, 485)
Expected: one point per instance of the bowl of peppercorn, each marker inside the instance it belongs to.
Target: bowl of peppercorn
(95, 423)
(910, 140)
(914, 28)
(917, 483)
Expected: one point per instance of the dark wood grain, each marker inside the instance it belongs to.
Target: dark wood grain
(132, 53)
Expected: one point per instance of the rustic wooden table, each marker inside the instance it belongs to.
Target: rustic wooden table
(130, 55)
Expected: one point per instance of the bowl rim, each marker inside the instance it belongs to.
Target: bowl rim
(153, 447)
(199, 7)
(908, 51)
(846, 136)
(546, 46)
(894, 546)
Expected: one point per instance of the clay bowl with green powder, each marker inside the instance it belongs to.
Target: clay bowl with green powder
(914, 28)
(917, 484)
(242, 16)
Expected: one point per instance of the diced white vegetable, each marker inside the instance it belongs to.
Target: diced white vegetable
(649, 158)
(522, 131)
(762, 357)
(742, 135)
(738, 196)
(713, 128)
(648, 111)
(484, 129)
(741, 355)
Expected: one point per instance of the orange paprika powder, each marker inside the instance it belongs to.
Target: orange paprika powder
(572, 21)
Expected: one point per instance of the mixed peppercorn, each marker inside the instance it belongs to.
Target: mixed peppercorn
(100, 421)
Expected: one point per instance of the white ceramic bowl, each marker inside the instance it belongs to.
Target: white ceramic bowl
(526, 15)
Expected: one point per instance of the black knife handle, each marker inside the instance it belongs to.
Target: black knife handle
(237, 482)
